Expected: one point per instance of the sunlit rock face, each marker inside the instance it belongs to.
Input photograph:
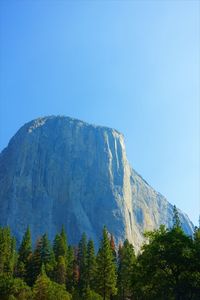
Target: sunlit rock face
(58, 170)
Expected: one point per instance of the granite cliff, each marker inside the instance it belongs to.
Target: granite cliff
(58, 170)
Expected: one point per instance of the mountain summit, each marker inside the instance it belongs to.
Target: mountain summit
(58, 170)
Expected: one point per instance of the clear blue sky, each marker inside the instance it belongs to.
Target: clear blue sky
(131, 65)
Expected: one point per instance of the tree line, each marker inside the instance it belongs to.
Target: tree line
(166, 267)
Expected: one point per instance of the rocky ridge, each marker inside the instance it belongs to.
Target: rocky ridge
(58, 170)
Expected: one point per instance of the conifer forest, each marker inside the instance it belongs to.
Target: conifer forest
(166, 267)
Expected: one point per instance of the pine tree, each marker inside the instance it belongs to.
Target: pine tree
(82, 263)
(112, 245)
(126, 263)
(60, 271)
(196, 249)
(76, 271)
(57, 246)
(176, 219)
(70, 269)
(7, 251)
(24, 254)
(35, 263)
(195, 262)
(105, 275)
(25, 248)
(64, 239)
(41, 287)
(45, 289)
(47, 255)
(60, 244)
(197, 235)
(91, 265)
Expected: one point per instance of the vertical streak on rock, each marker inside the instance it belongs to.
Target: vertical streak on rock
(58, 170)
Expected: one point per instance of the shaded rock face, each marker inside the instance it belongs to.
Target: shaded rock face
(58, 170)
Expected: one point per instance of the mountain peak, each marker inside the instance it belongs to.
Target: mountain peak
(64, 120)
(62, 171)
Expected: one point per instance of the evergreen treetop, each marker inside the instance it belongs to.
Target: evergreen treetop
(106, 273)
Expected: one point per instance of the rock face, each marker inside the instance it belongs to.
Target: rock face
(58, 170)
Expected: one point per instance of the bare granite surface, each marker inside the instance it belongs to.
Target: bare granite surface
(58, 170)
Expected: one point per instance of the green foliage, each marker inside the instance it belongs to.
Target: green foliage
(64, 239)
(60, 244)
(167, 268)
(91, 265)
(176, 220)
(43, 254)
(82, 263)
(7, 251)
(164, 269)
(87, 295)
(14, 288)
(126, 264)
(91, 295)
(45, 289)
(24, 254)
(21, 290)
(195, 274)
(112, 245)
(35, 264)
(25, 248)
(60, 270)
(105, 276)
(47, 255)
(6, 284)
(70, 269)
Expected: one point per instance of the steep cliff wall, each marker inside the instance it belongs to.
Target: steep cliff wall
(58, 170)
